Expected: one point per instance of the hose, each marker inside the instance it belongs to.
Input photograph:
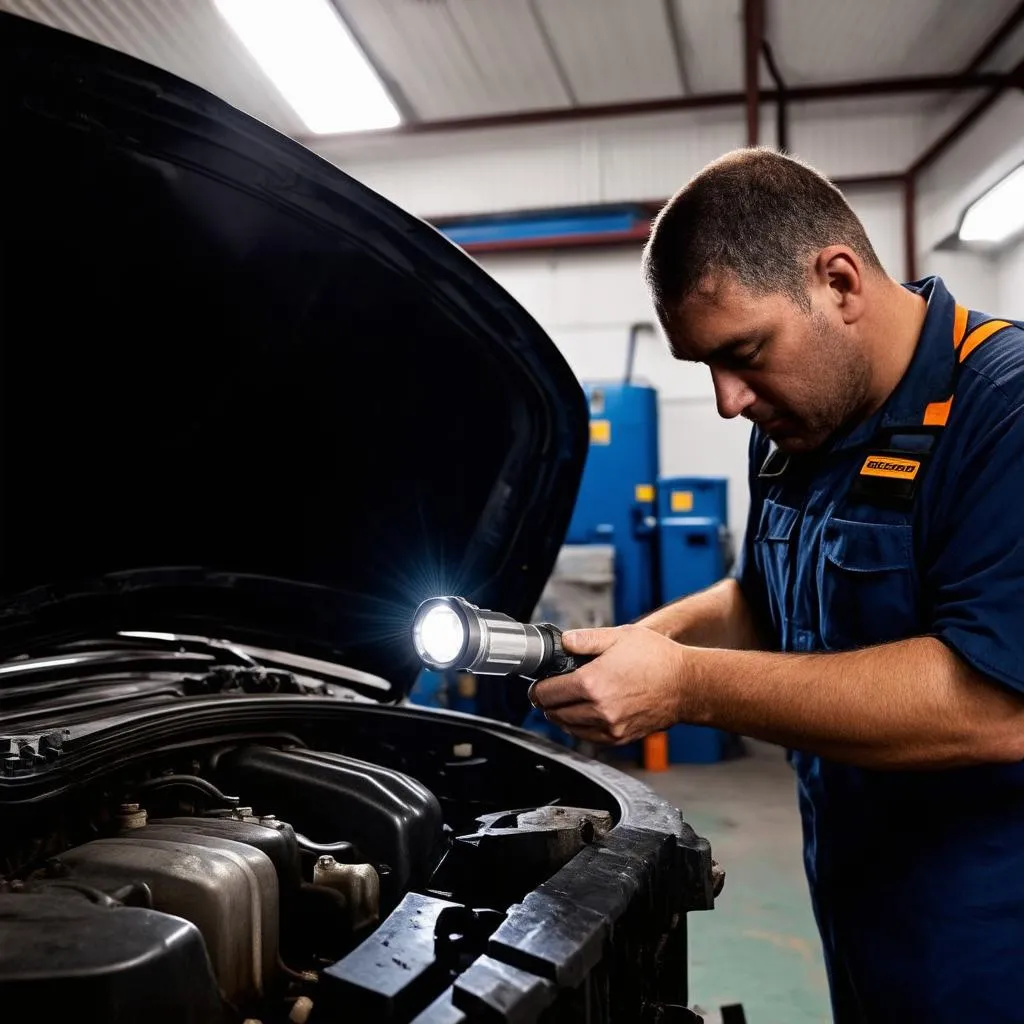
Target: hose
(344, 853)
(188, 782)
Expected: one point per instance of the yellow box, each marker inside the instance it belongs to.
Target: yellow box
(682, 501)
(645, 492)
(600, 431)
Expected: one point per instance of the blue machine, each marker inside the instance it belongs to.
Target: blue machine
(692, 529)
(692, 518)
(694, 496)
(617, 496)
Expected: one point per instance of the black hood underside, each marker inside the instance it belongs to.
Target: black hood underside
(243, 395)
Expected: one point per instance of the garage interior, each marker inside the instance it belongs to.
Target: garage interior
(542, 136)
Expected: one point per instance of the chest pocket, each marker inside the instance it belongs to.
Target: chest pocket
(866, 583)
(772, 542)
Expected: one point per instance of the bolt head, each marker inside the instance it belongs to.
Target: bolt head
(326, 861)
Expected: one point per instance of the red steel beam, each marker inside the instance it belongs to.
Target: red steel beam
(675, 104)
(753, 21)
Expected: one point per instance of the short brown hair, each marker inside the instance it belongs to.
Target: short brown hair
(755, 213)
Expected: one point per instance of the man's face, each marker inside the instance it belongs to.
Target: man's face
(799, 374)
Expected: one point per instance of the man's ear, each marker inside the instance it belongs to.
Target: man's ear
(839, 276)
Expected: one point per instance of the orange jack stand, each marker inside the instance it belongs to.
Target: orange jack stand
(656, 752)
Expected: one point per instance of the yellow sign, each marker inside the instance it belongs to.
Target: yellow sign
(600, 431)
(645, 492)
(897, 469)
(682, 501)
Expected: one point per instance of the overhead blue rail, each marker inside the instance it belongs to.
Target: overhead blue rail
(563, 228)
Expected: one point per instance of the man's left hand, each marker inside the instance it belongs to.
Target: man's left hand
(635, 686)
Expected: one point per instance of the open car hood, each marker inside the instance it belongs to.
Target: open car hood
(242, 394)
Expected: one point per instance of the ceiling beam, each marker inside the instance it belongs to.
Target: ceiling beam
(753, 37)
(696, 101)
(781, 110)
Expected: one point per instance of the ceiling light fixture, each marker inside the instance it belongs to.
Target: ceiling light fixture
(309, 54)
(998, 215)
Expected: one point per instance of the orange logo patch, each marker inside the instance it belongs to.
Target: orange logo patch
(895, 469)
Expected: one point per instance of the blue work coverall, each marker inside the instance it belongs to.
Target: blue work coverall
(910, 525)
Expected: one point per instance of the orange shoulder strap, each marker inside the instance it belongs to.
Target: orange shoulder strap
(936, 414)
(981, 334)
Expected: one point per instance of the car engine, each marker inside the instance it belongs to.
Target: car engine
(262, 882)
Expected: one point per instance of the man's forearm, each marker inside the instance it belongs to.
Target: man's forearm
(911, 704)
(717, 617)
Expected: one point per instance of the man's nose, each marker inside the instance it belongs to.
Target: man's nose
(732, 394)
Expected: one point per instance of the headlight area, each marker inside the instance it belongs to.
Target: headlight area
(418, 866)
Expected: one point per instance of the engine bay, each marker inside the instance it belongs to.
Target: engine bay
(268, 881)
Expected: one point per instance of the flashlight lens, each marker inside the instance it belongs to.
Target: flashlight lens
(441, 635)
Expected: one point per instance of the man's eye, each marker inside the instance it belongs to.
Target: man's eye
(749, 357)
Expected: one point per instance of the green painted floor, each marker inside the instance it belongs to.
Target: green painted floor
(759, 946)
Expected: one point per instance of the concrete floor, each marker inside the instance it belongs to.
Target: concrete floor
(759, 946)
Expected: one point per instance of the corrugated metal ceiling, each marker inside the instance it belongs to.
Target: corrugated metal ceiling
(836, 40)
(474, 58)
(460, 58)
(614, 53)
(712, 43)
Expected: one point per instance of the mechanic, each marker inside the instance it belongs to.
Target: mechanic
(875, 622)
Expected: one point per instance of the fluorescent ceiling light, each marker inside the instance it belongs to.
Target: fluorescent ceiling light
(309, 54)
(998, 214)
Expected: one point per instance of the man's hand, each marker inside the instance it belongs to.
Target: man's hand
(632, 689)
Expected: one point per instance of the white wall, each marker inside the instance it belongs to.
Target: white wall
(1010, 283)
(971, 277)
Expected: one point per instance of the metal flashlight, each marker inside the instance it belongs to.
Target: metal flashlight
(451, 633)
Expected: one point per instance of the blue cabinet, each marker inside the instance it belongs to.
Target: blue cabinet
(692, 554)
(692, 531)
(694, 496)
(617, 497)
